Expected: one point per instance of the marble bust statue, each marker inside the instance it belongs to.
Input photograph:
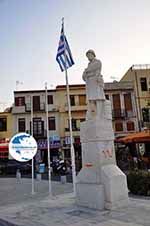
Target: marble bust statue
(94, 84)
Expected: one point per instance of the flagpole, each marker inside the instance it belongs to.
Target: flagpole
(32, 135)
(48, 145)
(70, 123)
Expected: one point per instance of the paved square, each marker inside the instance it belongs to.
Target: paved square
(61, 210)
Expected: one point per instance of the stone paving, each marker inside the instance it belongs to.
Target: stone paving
(59, 210)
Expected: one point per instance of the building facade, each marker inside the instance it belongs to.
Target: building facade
(26, 102)
(140, 76)
(124, 112)
(6, 132)
(124, 115)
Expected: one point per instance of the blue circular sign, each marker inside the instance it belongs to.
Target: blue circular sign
(22, 147)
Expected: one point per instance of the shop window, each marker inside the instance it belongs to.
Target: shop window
(130, 126)
(3, 124)
(118, 126)
(67, 154)
(52, 124)
(143, 82)
(72, 100)
(21, 125)
(82, 100)
(19, 101)
(50, 99)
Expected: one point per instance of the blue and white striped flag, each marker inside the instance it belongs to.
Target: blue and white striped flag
(64, 56)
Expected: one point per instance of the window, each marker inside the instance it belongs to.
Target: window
(117, 113)
(50, 99)
(146, 114)
(107, 97)
(19, 101)
(21, 125)
(116, 101)
(52, 124)
(3, 124)
(38, 127)
(74, 124)
(128, 102)
(72, 100)
(130, 126)
(118, 126)
(143, 84)
(36, 103)
(82, 100)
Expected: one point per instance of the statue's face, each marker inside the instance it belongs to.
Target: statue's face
(90, 56)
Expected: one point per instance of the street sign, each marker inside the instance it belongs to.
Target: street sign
(22, 147)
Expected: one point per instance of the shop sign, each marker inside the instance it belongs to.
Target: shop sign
(54, 142)
(22, 147)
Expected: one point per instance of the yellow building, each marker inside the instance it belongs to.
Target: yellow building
(78, 112)
(5, 132)
(140, 76)
(5, 125)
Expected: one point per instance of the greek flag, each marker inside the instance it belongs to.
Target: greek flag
(64, 56)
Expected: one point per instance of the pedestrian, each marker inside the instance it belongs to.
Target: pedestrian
(18, 175)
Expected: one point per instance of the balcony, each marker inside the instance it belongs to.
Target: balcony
(39, 134)
(73, 129)
(118, 114)
(122, 114)
(76, 107)
(37, 108)
(129, 114)
(18, 109)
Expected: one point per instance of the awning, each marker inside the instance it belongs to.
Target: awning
(139, 137)
(4, 150)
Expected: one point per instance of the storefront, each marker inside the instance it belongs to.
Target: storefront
(55, 146)
(77, 149)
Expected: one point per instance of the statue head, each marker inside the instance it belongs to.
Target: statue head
(90, 54)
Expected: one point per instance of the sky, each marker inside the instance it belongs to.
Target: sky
(117, 30)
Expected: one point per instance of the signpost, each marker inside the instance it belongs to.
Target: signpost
(23, 147)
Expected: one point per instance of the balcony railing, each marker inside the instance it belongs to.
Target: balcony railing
(40, 107)
(118, 114)
(122, 114)
(73, 129)
(39, 133)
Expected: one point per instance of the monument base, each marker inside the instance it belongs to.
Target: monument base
(115, 184)
(90, 195)
(111, 193)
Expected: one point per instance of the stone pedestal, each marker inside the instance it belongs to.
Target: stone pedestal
(100, 183)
